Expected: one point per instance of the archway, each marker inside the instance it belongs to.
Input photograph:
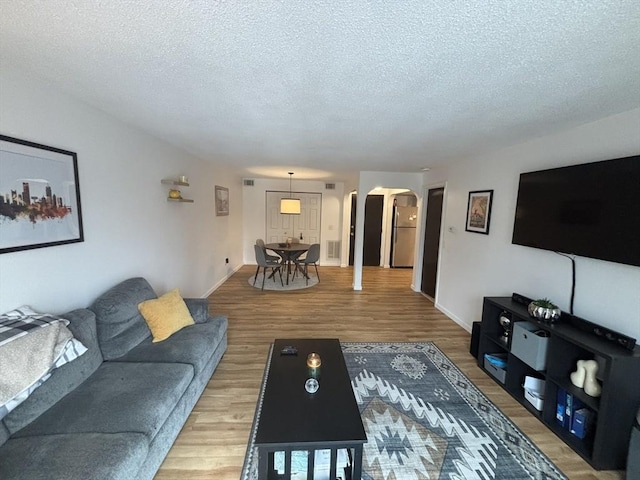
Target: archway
(388, 182)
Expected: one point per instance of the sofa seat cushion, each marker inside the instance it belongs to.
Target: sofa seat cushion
(118, 397)
(194, 345)
(74, 456)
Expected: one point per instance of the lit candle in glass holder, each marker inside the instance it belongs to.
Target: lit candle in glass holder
(314, 362)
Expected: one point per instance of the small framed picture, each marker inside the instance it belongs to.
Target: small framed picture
(479, 211)
(39, 196)
(222, 201)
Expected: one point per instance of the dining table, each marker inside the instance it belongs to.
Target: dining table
(289, 252)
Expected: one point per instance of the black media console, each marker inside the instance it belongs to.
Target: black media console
(558, 347)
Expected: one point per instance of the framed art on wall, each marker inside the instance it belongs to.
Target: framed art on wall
(39, 196)
(479, 211)
(222, 201)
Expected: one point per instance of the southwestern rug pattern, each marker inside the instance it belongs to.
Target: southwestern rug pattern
(425, 420)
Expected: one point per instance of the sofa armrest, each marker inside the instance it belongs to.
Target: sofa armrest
(199, 309)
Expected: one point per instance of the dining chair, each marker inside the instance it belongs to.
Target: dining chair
(262, 261)
(312, 257)
(268, 256)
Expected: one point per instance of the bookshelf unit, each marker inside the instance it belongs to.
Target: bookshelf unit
(606, 443)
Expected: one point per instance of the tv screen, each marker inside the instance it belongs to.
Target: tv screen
(591, 210)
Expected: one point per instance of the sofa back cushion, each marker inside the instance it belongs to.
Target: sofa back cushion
(64, 379)
(120, 325)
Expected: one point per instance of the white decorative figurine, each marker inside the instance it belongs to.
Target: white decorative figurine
(585, 377)
(591, 385)
(577, 377)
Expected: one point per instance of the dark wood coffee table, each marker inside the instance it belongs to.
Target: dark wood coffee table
(292, 419)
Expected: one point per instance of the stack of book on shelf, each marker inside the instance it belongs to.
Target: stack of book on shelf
(572, 414)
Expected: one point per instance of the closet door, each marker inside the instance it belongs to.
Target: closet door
(307, 224)
(435, 199)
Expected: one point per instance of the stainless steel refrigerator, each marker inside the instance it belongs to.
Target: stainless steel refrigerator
(404, 236)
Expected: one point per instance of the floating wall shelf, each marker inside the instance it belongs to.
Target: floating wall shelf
(176, 183)
(168, 181)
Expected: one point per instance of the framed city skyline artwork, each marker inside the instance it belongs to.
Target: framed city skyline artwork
(39, 196)
(479, 211)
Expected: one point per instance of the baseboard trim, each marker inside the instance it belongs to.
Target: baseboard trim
(453, 317)
(221, 282)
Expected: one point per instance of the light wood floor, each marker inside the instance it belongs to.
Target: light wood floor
(213, 441)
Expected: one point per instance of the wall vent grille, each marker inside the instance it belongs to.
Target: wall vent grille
(333, 249)
(248, 182)
(329, 186)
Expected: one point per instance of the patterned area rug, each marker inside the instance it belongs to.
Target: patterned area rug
(296, 283)
(425, 420)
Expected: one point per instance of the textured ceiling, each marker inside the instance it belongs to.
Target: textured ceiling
(327, 88)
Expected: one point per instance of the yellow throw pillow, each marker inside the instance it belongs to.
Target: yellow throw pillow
(166, 315)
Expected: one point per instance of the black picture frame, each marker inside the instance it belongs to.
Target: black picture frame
(479, 211)
(39, 196)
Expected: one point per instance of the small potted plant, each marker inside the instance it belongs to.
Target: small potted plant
(544, 309)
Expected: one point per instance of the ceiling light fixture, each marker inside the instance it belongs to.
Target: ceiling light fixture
(290, 206)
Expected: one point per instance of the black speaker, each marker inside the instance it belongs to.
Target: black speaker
(475, 338)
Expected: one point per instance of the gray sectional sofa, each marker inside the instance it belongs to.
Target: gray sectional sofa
(114, 412)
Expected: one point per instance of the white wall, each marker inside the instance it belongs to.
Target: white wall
(474, 265)
(129, 227)
(254, 201)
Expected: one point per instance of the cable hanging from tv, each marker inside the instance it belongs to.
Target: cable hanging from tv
(573, 279)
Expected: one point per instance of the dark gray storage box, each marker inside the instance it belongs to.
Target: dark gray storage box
(529, 347)
(499, 373)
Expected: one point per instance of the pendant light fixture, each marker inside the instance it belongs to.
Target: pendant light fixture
(290, 206)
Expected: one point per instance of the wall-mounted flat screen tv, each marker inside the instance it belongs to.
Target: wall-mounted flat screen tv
(591, 210)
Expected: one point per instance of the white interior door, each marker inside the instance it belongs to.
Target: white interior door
(307, 224)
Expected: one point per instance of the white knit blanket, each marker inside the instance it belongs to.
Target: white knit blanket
(28, 358)
(32, 345)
